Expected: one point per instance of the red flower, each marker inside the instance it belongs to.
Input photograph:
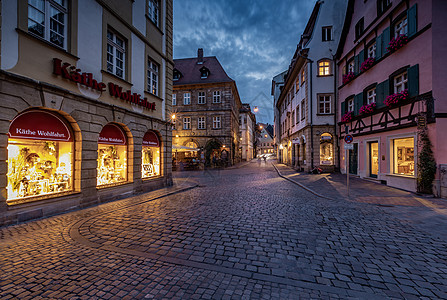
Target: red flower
(348, 77)
(367, 64)
(347, 117)
(396, 98)
(397, 43)
(367, 108)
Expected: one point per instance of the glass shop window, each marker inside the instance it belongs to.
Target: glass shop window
(112, 156)
(150, 155)
(326, 149)
(403, 160)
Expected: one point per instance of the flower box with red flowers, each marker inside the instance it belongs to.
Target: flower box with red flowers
(347, 117)
(367, 108)
(348, 77)
(397, 43)
(367, 64)
(397, 98)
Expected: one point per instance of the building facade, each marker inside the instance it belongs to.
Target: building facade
(265, 142)
(306, 104)
(85, 89)
(247, 127)
(277, 86)
(391, 90)
(206, 106)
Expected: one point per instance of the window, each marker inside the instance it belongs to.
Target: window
(186, 123)
(324, 68)
(174, 99)
(350, 105)
(326, 33)
(216, 97)
(177, 75)
(297, 84)
(186, 98)
(297, 114)
(351, 66)
(152, 77)
(52, 12)
(324, 105)
(293, 118)
(303, 113)
(326, 149)
(303, 77)
(204, 72)
(359, 27)
(116, 50)
(216, 122)
(400, 82)
(372, 51)
(382, 6)
(403, 156)
(371, 96)
(201, 123)
(153, 11)
(201, 98)
(401, 27)
(150, 159)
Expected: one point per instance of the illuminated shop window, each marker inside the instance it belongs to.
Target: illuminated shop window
(403, 156)
(40, 157)
(112, 156)
(150, 155)
(326, 149)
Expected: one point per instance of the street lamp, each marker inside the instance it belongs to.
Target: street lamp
(255, 109)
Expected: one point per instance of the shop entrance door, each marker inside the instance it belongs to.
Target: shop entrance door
(373, 159)
(353, 159)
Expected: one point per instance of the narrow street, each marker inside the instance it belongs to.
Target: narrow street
(240, 233)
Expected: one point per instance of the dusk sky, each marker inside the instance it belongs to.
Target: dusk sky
(254, 40)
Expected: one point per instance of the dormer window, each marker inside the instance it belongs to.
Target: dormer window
(204, 72)
(177, 75)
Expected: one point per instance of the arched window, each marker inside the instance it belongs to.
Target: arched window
(150, 159)
(40, 156)
(112, 155)
(324, 67)
(326, 149)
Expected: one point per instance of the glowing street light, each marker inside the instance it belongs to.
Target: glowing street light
(255, 109)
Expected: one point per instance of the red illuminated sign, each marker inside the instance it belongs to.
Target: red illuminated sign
(112, 135)
(39, 125)
(74, 74)
(150, 139)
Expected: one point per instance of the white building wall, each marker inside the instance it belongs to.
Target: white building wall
(10, 36)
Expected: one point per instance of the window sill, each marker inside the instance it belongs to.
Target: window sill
(153, 23)
(116, 77)
(401, 176)
(105, 186)
(153, 95)
(330, 75)
(320, 114)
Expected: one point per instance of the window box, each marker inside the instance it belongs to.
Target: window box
(396, 99)
(367, 64)
(348, 77)
(368, 108)
(397, 43)
(347, 117)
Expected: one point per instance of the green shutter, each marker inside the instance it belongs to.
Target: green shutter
(413, 80)
(385, 40)
(386, 89)
(343, 108)
(358, 102)
(382, 90)
(378, 47)
(412, 20)
(361, 58)
(356, 65)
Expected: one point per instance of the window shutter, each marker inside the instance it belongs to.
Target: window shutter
(378, 47)
(379, 95)
(385, 40)
(356, 65)
(343, 107)
(412, 20)
(361, 58)
(413, 80)
(386, 89)
(358, 102)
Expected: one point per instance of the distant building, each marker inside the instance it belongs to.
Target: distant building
(206, 106)
(247, 126)
(265, 142)
(277, 85)
(306, 104)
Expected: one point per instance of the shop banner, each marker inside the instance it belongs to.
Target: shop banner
(112, 135)
(150, 139)
(39, 125)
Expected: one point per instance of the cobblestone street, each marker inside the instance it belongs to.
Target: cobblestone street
(241, 233)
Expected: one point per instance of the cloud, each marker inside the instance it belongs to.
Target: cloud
(254, 40)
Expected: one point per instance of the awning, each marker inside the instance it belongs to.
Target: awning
(150, 139)
(180, 148)
(111, 134)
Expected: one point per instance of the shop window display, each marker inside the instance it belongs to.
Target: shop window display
(112, 156)
(326, 149)
(40, 157)
(150, 155)
(403, 150)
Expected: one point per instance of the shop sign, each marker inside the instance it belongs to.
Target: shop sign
(73, 74)
(112, 135)
(150, 139)
(39, 125)
(296, 141)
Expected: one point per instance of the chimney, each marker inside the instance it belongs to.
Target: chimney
(200, 56)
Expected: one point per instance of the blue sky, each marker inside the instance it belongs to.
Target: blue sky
(254, 40)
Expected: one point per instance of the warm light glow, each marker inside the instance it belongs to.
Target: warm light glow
(223, 146)
(176, 135)
(260, 126)
(173, 116)
(255, 109)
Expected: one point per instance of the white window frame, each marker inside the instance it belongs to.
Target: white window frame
(351, 67)
(186, 123)
(217, 122)
(216, 97)
(400, 82)
(152, 77)
(153, 11)
(350, 106)
(372, 51)
(303, 111)
(116, 47)
(371, 96)
(390, 153)
(401, 27)
(201, 98)
(186, 98)
(326, 33)
(45, 11)
(326, 101)
(324, 68)
(174, 99)
(201, 123)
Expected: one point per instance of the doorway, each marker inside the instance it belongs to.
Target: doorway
(373, 149)
(353, 159)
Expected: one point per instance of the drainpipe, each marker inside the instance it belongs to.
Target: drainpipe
(311, 119)
(337, 144)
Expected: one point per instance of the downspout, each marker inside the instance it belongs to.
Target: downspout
(335, 111)
(311, 120)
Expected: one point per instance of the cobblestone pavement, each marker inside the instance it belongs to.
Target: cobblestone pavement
(242, 233)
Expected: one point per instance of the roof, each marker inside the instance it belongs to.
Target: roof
(191, 74)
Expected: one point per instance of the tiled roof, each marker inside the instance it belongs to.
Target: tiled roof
(190, 70)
